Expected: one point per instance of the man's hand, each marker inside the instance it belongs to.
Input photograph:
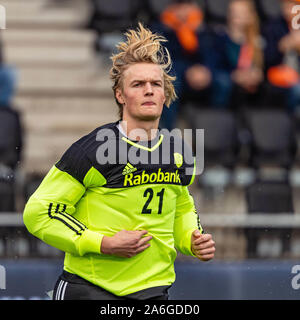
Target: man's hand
(125, 243)
(203, 246)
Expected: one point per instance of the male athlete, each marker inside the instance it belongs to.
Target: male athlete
(119, 220)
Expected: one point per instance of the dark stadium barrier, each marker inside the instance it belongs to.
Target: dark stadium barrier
(215, 280)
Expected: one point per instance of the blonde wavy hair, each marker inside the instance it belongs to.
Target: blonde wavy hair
(142, 46)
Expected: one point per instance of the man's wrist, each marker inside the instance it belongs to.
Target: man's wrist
(106, 245)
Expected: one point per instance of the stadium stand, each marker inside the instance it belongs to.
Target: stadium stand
(268, 9)
(273, 143)
(11, 136)
(110, 19)
(221, 146)
(61, 89)
(273, 140)
(60, 93)
(190, 46)
(216, 11)
(64, 92)
(155, 8)
(269, 197)
(108, 16)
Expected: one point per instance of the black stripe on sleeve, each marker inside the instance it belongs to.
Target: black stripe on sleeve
(80, 225)
(198, 222)
(78, 232)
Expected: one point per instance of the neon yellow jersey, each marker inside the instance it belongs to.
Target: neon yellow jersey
(81, 199)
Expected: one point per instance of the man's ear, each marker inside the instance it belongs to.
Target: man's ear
(119, 96)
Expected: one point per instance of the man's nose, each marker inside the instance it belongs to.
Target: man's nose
(148, 88)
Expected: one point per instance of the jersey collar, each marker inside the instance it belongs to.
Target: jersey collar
(144, 145)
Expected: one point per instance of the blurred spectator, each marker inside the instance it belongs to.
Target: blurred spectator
(282, 59)
(7, 81)
(10, 136)
(239, 74)
(7, 85)
(10, 156)
(189, 45)
(10, 123)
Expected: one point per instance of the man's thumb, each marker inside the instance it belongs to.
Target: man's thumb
(196, 233)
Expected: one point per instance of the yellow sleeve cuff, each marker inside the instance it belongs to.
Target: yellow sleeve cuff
(90, 242)
(186, 243)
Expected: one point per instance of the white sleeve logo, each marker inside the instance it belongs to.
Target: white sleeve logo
(296, 278)
(2, 278)
(295, 21)
(2, 17)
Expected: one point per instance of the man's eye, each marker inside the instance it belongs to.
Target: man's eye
(136, 84)
(157, 84)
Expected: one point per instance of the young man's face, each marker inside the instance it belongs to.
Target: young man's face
(142, 94)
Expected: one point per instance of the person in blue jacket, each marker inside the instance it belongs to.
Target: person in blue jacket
(190, 44)
(239, 68)
(282, 59)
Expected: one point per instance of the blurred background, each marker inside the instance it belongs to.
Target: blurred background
(237, 65)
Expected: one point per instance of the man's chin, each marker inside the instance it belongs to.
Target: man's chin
(149, 117)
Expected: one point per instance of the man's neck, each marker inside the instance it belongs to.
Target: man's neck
(140, 130)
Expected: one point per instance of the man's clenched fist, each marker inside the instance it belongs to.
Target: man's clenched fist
(203, 246)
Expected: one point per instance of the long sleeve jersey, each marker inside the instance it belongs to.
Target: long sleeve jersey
(105, 183)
